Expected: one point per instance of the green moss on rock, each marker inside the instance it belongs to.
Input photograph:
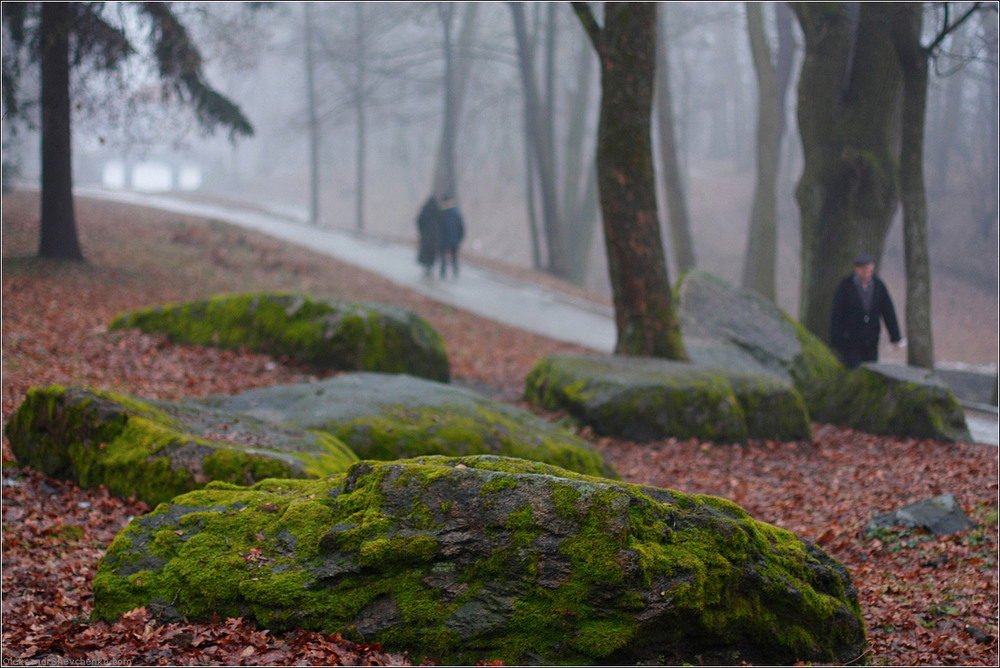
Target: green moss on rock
(397, 416)
(894, 401)
(435, 557)
(157, 450)
(342, 336)
(647, 399)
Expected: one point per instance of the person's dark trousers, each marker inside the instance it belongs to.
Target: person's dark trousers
(445, 255)
(853, 357)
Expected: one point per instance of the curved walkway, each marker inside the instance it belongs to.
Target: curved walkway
(488, 294)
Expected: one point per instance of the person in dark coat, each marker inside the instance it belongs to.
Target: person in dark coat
(859, 304)
(429, 229)
(452, 233)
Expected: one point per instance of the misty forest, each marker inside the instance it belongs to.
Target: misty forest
(359, 111)
(654, 160)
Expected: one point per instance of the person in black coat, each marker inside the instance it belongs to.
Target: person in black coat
(429, 229)
(859, 304)
(452, 233)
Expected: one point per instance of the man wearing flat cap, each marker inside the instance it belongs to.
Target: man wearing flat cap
(859, 304)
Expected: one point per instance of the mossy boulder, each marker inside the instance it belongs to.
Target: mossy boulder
(469, 559)
(397, 416)
(644, 399)
(735, 329)
(729, 328)
(326, 335)
(156, 450)
(895, 400)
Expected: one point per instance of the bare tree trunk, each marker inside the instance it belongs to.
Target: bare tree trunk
(530, 154)
(906, 37)
(541, 144)
(907, 25)
(762, 237)
(579, 209)
(360, 84)
(673, 180)
(457, 64)
(529, 189)
(314, 136)
(360, 159)
(58, 225)
(645, 318)
(583, 223)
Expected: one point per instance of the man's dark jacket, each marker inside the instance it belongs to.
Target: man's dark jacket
(851, 327)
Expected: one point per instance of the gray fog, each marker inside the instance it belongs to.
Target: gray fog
(358, 149)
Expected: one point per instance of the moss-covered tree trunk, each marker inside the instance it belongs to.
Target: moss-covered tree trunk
(645, 317)
(848, 114)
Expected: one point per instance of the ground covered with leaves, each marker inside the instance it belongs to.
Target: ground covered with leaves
(926, 600)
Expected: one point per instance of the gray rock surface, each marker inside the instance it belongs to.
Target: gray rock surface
(646, 399)
(396, 416)
(155, 450)
(730, 328)
(477, 558)
(895, 401)
(940, 515)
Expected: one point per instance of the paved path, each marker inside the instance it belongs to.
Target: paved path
(489, 294)
(480, 291)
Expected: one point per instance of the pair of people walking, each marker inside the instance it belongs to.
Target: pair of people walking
(441, 230)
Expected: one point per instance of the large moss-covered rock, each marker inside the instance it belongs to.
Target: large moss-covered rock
(156, 450)
(896, 401)
(341, 336)
(644, 399)
(729, 328)
(397, 416)
(466, 559)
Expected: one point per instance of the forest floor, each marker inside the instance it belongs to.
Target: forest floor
(926, 600)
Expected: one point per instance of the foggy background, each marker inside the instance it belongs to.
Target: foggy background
(383, 62)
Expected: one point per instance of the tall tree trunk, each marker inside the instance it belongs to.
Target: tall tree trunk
(58, 226)
(645, 318)
(360, 84)
(314, 136)
(848, 113)
(359, 165)
(762, 237)
(530, 155)
(914, 59)
(907, 25)
(458, 62)
(529, 188)
(579, 204)
(542, 145)
(673, 180)
(583, 224)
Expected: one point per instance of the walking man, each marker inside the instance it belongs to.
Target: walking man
(859, 304)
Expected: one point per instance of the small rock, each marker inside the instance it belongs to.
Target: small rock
(940, 515)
